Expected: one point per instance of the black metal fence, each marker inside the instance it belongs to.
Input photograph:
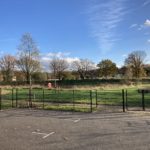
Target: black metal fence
(109, 101)
(51, 99)
(137, 100)
(75, 100)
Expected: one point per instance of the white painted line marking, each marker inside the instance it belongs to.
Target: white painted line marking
(77, 120)
(39, 133)
(45, 135)
(48, 135)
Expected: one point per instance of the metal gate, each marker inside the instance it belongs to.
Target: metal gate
(133, 100)
(109, 101)
(137, 99)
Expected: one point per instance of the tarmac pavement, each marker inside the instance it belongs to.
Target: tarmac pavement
(24, 129)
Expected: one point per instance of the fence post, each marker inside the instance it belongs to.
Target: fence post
(123, 102)
(12, 97)
(43, 98)
(143, 100)
(91, 101)
(0, 98)
(73, 101)
(17, 97)
(126, 99)
(96, 98)
(30, 97)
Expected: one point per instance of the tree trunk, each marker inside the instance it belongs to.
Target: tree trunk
(28, 78)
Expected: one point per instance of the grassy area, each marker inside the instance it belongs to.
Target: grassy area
(72, 99)
(49, 99)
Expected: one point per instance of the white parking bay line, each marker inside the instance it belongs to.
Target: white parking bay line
(45, 135)
(48, 135)
(77, 120)
(73, 120)
(39, 133)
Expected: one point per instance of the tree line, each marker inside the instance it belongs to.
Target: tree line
(26, 66)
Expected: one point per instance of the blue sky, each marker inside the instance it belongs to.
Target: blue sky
(93, 29)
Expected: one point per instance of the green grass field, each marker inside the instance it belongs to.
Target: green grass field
(69, 99)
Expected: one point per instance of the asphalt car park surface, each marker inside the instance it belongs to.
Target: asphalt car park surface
(25, 129)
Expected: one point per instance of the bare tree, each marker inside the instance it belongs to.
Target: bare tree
(7, 65)
(83, 66)
(28, 56)
(135, 61)
(58, 66)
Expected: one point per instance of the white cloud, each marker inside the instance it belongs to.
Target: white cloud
(148, 40)
(141, 27)
(71, 59)
(124, 55)
(133, 25)
(104, 19)
(65, 55)
(147, 22)
(1, 52)
(68, 59)
(146, 3)
(58, 54)
(45, 58)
